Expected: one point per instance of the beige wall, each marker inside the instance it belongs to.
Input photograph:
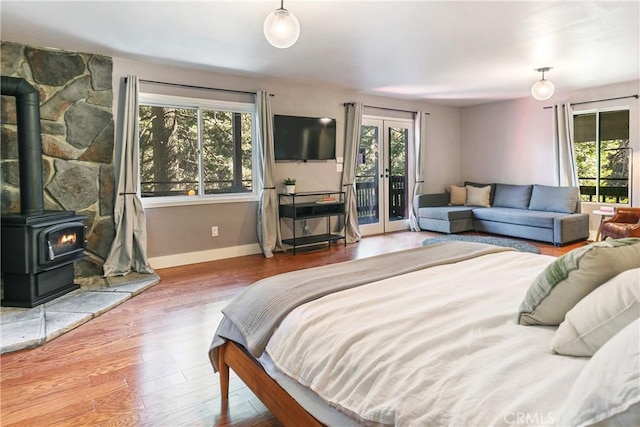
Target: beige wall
(509, 142)
(183, 234)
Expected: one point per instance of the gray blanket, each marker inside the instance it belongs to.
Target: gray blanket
(252, 317)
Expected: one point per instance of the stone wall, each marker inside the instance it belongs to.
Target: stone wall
(77, 140)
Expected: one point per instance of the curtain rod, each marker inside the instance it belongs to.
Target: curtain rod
(385, 108)
(597, 100)
(196, 87)
(606, 99)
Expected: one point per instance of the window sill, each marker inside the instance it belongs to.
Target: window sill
(164, 202)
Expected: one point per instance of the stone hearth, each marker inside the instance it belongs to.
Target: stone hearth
(22, 328)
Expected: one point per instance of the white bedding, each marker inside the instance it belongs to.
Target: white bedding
(434, 347)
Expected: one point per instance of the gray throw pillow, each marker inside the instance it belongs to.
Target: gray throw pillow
(512, 196)
(554, 199)
(573, 276)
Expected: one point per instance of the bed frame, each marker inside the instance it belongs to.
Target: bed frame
(275, 398)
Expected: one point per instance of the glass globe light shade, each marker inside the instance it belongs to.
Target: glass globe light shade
(281, 28)
(542, 90)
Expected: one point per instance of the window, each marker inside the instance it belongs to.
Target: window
(601, 140)
(195, 149)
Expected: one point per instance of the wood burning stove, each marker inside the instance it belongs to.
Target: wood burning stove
(38, 255)
(38, 247)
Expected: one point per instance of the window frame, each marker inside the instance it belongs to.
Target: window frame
(199, 104)
(597, 112)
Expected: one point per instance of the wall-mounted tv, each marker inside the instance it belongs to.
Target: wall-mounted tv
(304, 138)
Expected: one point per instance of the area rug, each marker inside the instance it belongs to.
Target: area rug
(498, 241)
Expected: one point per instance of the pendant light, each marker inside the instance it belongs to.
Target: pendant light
(542, 89)
(281, 28)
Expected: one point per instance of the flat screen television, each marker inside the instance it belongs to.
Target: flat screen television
(304, 138)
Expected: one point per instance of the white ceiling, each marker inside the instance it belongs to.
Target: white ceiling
(449, 52)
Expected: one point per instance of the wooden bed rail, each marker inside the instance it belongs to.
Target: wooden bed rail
(275, 398)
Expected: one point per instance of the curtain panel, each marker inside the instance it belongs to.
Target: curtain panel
(268, 222)
(420, 137)
(351, 142)
(566, 169)
(128, 251)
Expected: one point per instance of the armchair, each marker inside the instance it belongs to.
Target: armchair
(625, 223)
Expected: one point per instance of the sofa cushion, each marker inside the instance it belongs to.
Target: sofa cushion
(477, 184)
(458, 195)
(446, 213)
(478, 196)
(554, 199)
(517, 216)
(512, 196)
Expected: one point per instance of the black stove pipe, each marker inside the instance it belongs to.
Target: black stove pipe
(29, 143)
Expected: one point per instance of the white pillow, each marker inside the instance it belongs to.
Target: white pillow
(458, 195)
(599, 316)
(608, 387)
(478, 196)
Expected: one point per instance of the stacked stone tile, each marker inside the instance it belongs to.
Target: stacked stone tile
(77, 140)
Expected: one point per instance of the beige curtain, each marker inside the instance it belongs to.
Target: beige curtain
(268, 222)
(128, 251)
(566, 169)
(351, 143)
(420, 137)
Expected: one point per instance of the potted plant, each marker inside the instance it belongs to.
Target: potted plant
(290, 184)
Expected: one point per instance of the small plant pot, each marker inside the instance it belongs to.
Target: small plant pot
(291, 189)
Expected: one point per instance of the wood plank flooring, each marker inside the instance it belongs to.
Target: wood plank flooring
(145, 362)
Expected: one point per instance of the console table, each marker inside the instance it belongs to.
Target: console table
(310, 205)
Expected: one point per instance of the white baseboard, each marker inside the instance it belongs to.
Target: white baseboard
(204, 256)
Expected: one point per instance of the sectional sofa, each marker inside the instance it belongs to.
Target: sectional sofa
(536, 212)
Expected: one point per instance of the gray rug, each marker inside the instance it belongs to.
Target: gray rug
(498, 241)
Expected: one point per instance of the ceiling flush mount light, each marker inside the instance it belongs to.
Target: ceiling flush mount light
(281, 28)
(542, 89)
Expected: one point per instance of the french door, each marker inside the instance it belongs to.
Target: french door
(383, 175)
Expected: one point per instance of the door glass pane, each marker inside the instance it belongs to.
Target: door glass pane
(586, 149)
(614, 156)
(367, 176)
(398, 145)
(602, 155)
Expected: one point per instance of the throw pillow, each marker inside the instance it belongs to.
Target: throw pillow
(478, 184)
(554, 199)
(573, 276)
(458, 195)
(599, 316)
(512, 196)
(607, 390)
(478, 196)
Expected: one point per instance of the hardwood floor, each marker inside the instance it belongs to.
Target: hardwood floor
(145, 362)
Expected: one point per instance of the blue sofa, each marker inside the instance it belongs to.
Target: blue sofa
(535, 212)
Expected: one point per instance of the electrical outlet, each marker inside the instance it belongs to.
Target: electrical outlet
(214, 231)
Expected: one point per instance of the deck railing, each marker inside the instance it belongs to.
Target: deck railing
(615, 190)
(367, 198)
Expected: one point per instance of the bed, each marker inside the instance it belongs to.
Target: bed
(439, 335)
